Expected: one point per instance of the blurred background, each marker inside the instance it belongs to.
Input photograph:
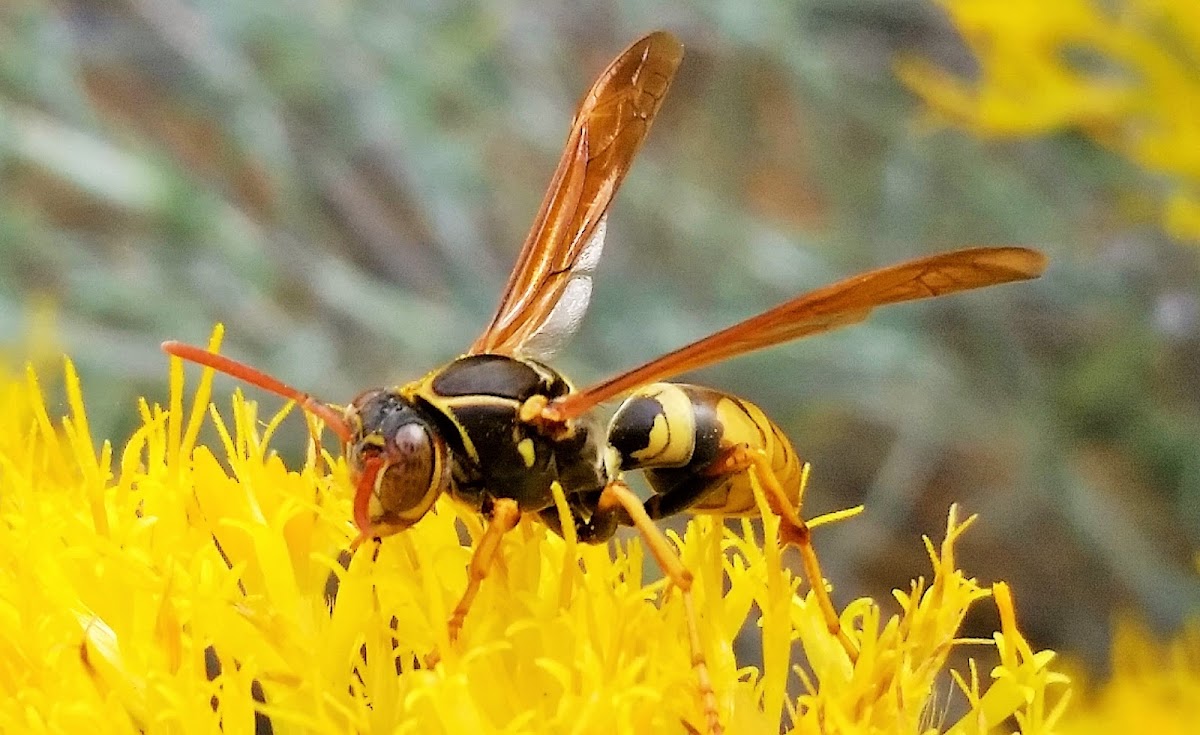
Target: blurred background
(345, 186)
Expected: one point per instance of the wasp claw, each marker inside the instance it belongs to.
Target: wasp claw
(432, 659)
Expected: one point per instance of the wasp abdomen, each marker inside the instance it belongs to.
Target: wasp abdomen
(665, 425)
(681, 436)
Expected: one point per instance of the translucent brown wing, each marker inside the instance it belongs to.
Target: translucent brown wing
(836, 305)
(550, 286)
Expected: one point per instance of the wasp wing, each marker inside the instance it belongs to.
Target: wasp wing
(550, 286)
(833, 306)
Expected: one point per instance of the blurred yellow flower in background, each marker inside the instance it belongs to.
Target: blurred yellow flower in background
(1124, 73)
(168, 586)
(1155, 687)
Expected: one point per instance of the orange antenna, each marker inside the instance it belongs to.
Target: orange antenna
(332, 418)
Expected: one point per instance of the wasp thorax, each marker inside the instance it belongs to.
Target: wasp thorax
(398, 459)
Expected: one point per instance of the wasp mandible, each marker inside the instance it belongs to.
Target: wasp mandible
(496, 428)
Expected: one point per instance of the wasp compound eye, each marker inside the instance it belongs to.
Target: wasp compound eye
(410, 473)
(414, 466)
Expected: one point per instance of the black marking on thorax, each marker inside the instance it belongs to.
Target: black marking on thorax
(478, 400)
(499, 376)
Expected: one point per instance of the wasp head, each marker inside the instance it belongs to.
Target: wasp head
(399, 462)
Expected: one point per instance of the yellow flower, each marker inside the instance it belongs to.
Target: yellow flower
(1125, 73)
(1154, 688)
(171, 587)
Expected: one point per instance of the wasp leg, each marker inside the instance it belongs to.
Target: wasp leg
(504, 517)
(618, 498)
(792, 530)
(591, 527)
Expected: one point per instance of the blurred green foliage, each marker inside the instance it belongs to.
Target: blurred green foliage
(345, 185)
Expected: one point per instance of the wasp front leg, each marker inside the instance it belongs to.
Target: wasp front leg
(504, 516)
(700, 449)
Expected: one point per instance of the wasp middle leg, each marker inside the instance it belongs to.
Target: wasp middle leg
(699, 449)
(597, 516)
(618, 501)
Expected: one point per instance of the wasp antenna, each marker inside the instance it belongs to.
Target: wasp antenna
(259, 379)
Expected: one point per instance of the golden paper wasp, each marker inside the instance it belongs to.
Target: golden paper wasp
(497, 428)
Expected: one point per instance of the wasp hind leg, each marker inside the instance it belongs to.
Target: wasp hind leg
(792, 529)
(618, 501)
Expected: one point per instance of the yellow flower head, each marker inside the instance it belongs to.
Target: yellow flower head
(1126, 73)
(1155, 687)
(173, 587)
